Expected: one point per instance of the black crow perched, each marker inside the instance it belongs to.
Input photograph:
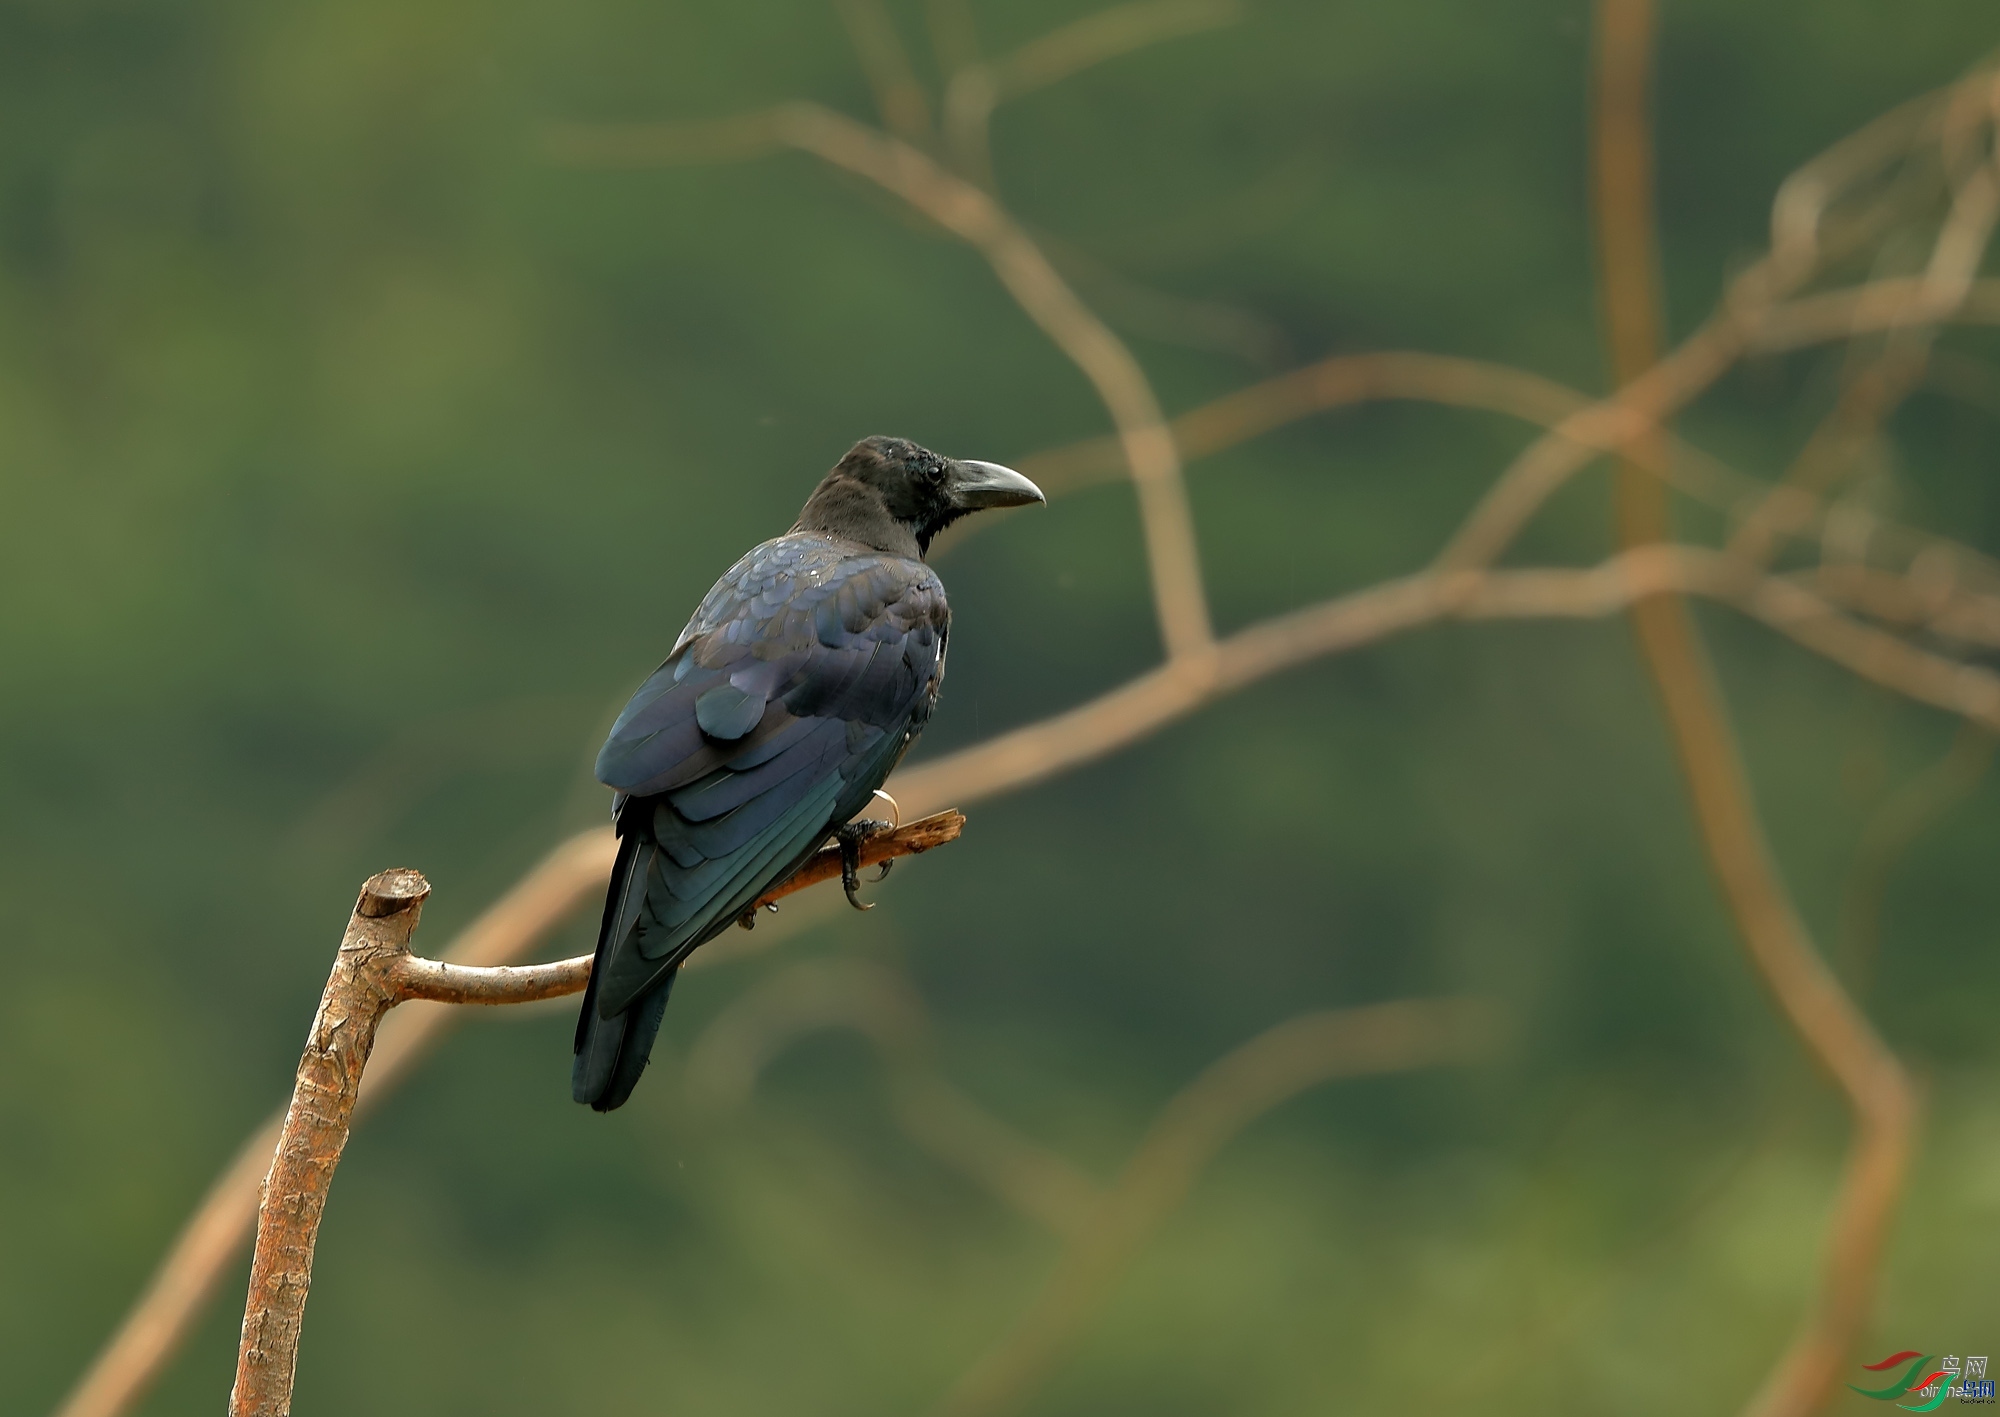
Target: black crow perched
(804, 677)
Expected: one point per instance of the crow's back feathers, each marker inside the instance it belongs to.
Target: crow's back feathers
(784, 704)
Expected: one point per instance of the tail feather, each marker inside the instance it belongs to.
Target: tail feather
(635, 1047)
(611, 1052)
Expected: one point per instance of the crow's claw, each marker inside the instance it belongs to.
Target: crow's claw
(850, 838)
(883, 873)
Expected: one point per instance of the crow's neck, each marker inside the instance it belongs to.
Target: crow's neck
(855, 511)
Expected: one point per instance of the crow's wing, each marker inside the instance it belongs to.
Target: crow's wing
(788, 699)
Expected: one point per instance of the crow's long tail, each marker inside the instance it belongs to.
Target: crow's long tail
(611, 1053)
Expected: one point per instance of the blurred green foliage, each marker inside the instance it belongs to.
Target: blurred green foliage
(357, 461)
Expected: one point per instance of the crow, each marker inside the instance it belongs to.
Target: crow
(799, 684)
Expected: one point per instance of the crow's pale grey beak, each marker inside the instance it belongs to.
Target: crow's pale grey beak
(978, 485)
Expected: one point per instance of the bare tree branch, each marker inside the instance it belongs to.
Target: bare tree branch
(314, 1134)
(187, 1277)
(1836, 1033)
(571, 874)
(372, 973)
(1895, 303)
(1334, 382)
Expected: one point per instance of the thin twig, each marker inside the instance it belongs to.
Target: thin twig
(911, 839)
(1866, 401)
(1754, 315)
(1934, 596)
(1871, 395)
(1892, 303)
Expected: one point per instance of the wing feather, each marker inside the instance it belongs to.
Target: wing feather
(786, 701)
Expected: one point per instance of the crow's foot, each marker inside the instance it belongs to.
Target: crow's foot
(850, 838)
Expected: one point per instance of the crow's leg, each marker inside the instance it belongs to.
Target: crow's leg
(850, 838)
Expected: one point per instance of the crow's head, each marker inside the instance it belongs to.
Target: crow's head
(889, 492)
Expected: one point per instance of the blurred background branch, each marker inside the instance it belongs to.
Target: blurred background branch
(1839, 1036)
(1893, 603)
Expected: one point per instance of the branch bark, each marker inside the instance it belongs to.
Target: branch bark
(374, 971)
(358, 993)
(188, 1275)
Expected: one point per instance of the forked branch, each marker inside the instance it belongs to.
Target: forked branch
(373, 972)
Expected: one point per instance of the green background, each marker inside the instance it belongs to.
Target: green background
(357, 461)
